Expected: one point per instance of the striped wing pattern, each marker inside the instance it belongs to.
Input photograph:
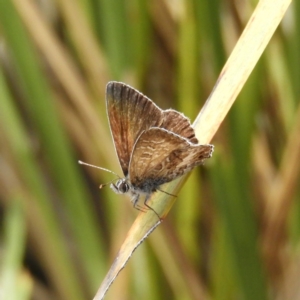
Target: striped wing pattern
(160, 156)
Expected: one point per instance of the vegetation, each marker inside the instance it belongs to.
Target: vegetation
(233, 232)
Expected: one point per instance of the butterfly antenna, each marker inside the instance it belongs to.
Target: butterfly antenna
(102, 185)
(93, 166)
(103, 169)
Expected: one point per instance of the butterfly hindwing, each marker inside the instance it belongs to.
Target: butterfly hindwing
(178, 123)
(159, 156)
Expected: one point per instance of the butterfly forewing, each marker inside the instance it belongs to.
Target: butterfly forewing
(159, 156)
(130, 113)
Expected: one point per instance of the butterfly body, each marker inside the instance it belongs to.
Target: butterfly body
(123, 186)
(154, 146)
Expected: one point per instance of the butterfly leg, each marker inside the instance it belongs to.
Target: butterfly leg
(149, 207)
(167, 193)
(135, 201)
(140, 208)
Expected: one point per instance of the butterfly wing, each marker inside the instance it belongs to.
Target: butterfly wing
(159, 156)
(130, 113)
(178, 123)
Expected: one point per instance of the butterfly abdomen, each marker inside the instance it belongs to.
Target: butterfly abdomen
(149, 185)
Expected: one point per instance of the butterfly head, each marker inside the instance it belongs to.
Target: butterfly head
(121, 186)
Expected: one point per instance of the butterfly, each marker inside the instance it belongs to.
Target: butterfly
(154, 146)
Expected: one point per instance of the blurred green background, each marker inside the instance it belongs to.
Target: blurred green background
(234, 230)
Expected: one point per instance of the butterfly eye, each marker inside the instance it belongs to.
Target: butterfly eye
(122, 186)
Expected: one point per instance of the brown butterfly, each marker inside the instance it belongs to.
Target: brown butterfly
(154, 146)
